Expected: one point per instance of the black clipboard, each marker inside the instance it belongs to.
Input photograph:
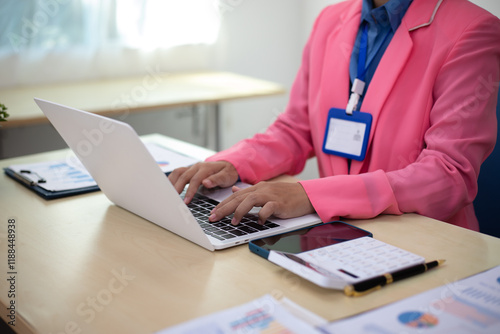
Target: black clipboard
(47, 194)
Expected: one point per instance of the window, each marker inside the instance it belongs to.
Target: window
(160, 23)
(49, 41)
(48, 25)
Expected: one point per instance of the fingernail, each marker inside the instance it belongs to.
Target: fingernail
(212, 217)
(234, 221)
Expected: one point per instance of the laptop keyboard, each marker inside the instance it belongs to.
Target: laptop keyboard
(201, 206)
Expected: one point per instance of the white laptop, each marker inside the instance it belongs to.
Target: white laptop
(125, 171)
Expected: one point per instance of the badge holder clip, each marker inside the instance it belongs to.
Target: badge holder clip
(356, 91)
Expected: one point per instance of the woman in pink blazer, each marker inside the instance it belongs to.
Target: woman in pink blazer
(432, 99)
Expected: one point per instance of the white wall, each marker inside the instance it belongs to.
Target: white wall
(493, 6)
(258, 38)
(264, 39)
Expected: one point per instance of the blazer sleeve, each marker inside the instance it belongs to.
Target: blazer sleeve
(461, 134)
(462, 130)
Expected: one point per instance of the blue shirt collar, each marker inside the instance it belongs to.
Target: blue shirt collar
(391, 13)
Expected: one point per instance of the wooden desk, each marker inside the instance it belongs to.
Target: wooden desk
(83, 263)
(118, 97)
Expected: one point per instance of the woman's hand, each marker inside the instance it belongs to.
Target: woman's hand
(281, 199)
(209, 174)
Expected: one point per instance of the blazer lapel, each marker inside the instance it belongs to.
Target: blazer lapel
(335, 82)
(419, 14)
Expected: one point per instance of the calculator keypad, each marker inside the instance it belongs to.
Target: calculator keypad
(362, 258)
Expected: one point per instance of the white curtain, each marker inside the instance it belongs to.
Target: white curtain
(64, 40)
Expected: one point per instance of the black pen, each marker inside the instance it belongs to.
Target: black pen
(375, 283)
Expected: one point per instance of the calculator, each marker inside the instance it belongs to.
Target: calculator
(349, 262)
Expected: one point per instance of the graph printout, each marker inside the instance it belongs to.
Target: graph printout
(471, 305)
(261, 316)
(56, 175)
(69, 173)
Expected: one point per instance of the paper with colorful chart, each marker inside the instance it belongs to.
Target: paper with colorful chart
(471, 305)
(264, 315)
(69, 173)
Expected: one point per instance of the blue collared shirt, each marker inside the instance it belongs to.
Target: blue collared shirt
(382, 24)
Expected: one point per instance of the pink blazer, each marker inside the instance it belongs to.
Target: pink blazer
(432, 98)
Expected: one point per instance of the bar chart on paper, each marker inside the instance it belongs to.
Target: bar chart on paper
(70, 174)
(471, 305)
(258, 319)
(56, 175)
(261, 316)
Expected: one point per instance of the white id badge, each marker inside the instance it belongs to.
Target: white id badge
(347, 135)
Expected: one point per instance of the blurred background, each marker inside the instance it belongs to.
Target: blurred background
(57, 41)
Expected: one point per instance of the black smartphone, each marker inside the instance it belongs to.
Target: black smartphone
(308, 238)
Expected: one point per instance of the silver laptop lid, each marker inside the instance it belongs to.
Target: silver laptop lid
(124, 169)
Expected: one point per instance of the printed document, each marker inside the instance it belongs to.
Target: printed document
(71, 174)
(471, 305)
(264, 315)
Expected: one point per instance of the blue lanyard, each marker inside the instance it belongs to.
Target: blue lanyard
(358, 86)
(363, 51)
